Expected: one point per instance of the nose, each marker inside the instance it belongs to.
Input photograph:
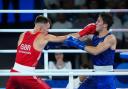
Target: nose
(96, 22)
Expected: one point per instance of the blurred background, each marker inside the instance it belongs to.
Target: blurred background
(61, 21)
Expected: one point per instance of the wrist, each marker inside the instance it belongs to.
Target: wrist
(85, 48)
(81, 45)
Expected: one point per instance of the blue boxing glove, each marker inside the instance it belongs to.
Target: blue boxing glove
(73, 42)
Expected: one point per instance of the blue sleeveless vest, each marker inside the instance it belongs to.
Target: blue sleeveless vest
(104, 58)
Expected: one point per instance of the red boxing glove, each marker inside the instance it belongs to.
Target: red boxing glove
(89, 29)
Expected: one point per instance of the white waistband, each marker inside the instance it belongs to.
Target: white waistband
(103, 68)
(21, 68)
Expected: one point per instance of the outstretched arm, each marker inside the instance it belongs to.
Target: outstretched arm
(89, 29)
(53, 38)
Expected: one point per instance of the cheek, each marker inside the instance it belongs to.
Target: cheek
(98, 27)
(48, 26)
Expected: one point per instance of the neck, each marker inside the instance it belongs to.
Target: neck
(36, 30)
(103, 33)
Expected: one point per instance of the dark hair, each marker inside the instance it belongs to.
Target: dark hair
(107, 19)
(41, 19)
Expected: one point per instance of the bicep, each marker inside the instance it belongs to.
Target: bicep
(103, 46)
(51, 38)
(107, 43)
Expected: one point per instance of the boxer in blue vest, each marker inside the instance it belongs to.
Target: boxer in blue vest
(102, 52)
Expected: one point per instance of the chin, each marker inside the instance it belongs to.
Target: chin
(97, 30)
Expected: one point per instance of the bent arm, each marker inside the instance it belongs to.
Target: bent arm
(109, 42)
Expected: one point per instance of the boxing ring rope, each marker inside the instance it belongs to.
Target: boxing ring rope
(75, 72)
(56, 30)
(45, 11)
(65, 11)
(69, 73)
(62, 50)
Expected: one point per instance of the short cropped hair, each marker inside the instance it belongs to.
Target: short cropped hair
(41, 19)
(107, 19)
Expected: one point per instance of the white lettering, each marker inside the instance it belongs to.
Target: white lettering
(24, 52)
(25, 47)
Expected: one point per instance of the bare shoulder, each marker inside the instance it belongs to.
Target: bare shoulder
(111, 37)
(50, 36)
(21, 38)
(40, 41)
(41, 37)
(22, 34)
(44, 37)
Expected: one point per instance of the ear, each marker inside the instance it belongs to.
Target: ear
(105, 25)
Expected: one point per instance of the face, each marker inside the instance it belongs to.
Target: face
(45, 26)
(99, 24)
(59, 56)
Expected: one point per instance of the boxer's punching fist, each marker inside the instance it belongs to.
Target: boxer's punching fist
(89, 29)
(73, 42)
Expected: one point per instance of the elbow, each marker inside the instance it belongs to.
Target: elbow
(95, 53)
